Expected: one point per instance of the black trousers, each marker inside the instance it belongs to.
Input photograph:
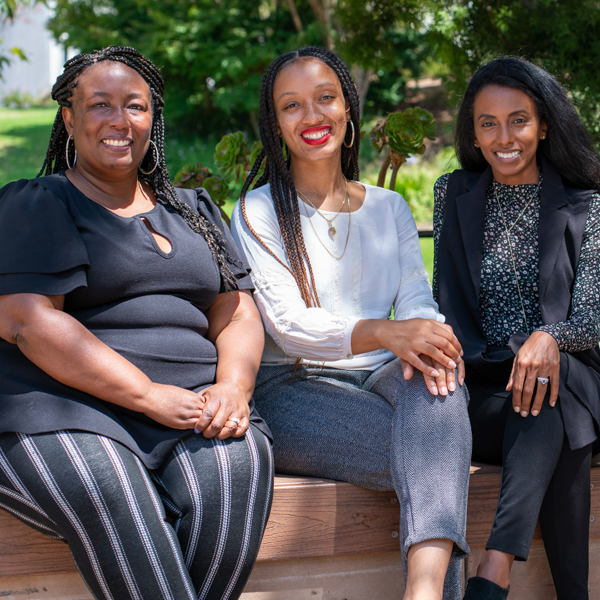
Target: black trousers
(541, 478)
(97, 496)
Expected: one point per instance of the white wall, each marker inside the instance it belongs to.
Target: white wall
(46, 57)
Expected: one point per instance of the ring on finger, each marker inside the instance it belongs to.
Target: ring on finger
(235, 420)
(543, 380)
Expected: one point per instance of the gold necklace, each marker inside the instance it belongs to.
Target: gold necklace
(332, 230)
(508, 230)
(347, 199)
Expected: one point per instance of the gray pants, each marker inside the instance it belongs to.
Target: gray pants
(376, 430)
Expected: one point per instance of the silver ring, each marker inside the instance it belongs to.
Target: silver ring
(543, 380)
(235, 420)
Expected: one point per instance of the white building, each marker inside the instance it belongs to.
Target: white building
(46, 57)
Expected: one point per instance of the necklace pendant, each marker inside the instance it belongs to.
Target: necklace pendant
(332, 231)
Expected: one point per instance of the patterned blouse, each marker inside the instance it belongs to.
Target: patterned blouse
(499, 301)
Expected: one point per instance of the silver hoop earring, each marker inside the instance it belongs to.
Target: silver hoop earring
(69, 166)
(352, 140)
(155, 153)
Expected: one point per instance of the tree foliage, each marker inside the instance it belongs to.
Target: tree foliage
(560, 35)
(8, 9)
(213, 52)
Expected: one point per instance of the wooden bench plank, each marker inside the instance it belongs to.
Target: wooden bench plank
(318, 517)
(309, 518)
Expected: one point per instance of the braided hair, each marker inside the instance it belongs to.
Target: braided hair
(159, 181)
(277, 172)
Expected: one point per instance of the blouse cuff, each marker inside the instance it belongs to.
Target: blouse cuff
(419, 311)
(555, 330)
(347, 340)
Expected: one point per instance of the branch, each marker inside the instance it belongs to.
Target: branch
(384, 167)
(295, 16)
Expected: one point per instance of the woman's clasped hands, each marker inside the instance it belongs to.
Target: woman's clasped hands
(217, 411)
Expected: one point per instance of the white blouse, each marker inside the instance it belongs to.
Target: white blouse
(382, 267)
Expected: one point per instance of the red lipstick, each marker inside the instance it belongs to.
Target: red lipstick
(312, 130)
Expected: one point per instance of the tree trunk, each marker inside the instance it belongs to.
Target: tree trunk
(295, 16)
(362, 78)
(321, 12)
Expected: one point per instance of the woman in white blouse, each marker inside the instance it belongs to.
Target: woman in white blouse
(349, 393)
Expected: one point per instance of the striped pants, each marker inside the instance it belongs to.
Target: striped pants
(97, 496)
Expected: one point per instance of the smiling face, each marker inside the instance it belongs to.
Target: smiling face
(508, 131)
(110, 119)
(311, 110)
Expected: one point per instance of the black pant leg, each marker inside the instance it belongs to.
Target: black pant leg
(564, 519)
(531, 451)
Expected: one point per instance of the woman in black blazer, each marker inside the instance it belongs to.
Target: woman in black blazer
(517, 274)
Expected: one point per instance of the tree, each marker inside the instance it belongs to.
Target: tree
(8, 9)
(375, 38)
(560, 35)
(213, 52)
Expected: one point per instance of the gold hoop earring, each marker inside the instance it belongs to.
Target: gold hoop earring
(352, 140)
(69, 166)
(155, 153)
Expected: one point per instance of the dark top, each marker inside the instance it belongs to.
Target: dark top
(565, 279)
(146, 305)
(499, 303)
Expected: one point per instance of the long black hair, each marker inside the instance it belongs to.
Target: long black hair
(159, 180)
(567, 145)
(277, 173)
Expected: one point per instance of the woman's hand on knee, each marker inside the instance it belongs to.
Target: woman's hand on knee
(225, 412)
(447, 378)
(415, 339)
(539, 357)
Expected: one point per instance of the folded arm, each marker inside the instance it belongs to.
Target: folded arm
(67, 351)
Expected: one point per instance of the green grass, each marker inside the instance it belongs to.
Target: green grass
(24, 135)
(427, 252)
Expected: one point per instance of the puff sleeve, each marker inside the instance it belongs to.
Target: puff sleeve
(42, 250)
(238, 264)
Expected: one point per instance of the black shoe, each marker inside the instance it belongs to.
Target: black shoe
(479, 588)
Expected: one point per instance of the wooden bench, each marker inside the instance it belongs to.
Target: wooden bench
(324, 540)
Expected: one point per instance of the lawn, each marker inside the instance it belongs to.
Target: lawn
(24, 135)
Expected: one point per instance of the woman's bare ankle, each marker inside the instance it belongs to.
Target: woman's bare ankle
(496, 567)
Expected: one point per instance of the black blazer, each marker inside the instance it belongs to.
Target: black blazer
(563, 214)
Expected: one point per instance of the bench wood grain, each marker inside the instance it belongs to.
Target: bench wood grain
(310, 518)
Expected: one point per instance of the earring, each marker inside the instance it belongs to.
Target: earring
(475, 144)
(543, 137)
(352, 140)
(155, 154)
(69, 166)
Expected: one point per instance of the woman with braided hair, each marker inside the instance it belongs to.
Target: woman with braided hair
(129, 346)
(348, 393)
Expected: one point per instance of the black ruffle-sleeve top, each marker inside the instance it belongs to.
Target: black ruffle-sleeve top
(147, 305)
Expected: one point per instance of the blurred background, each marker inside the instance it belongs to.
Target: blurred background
(212, 53)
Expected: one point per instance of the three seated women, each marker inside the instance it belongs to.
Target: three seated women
(130, 344)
